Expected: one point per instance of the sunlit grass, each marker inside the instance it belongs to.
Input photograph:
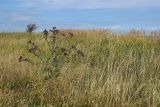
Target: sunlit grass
(117, 71)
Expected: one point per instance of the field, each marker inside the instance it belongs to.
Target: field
(105, 70)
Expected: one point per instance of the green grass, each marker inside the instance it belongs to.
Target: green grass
(117, 71)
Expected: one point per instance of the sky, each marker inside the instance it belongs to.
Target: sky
(80, 14)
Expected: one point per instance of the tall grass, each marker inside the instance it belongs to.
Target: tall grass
(116, 71)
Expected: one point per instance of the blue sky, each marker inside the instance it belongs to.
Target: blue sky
(112, 14)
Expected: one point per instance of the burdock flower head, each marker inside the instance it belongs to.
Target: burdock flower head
(54, 28)
(45, 32)
(54, 31)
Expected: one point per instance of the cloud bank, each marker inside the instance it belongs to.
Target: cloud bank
(21, 17)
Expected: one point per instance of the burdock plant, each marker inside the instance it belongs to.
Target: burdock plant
(56, 56)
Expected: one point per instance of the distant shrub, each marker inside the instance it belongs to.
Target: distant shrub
(31, 27)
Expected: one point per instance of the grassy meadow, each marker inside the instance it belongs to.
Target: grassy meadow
(113, 71)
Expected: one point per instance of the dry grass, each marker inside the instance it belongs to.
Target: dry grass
(117, 71)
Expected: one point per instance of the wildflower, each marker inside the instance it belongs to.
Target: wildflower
(54, 31)
(45, 32)
(54, 28)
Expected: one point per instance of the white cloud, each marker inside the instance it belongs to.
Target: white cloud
(155, 28)
(21, 17)
(91, 3)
